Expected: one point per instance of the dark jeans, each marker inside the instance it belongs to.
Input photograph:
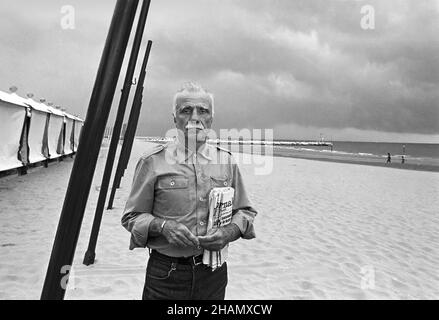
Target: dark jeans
(167, 280)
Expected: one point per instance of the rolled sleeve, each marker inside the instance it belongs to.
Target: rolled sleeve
(244, 220)
(137, 214)
(243, 213)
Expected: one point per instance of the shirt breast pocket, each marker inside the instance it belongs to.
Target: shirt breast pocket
(219, 182)
(172, 196)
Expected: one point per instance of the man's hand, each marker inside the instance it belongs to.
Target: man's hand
(178, 234)
(218, 238)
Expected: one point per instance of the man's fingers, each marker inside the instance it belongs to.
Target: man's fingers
(176, 241)
(180, 235)
(189, 236)
(175, 237)
(210, 236)
(205, 239)
(209, 240)
(193, 239)
(179, 239)
(186, 242)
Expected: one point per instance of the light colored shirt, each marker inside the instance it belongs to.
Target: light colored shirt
(174, 184)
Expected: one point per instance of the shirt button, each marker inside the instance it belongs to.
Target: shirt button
(172, 182)
(225, 183)
(201, 223)
(202, 199)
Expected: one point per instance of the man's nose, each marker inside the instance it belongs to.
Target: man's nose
(195, 116)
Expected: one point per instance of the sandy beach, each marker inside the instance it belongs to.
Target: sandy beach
(325, 230)
(431, 167)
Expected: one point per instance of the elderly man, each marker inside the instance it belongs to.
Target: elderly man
(167, 209)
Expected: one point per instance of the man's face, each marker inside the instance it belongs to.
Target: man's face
(193, 117)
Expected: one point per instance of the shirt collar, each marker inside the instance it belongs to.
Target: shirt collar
(184, 154)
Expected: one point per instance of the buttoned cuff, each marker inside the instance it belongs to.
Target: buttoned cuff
(244, 225)
(140, 230)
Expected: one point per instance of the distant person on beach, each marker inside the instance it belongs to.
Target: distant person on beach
(402, 159)
(167, 209)
(389, 158)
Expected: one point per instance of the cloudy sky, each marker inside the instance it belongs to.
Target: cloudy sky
(300, 67)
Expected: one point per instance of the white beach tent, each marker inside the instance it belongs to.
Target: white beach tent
(54, 133)
(77, 132)
(12, 117)
(37, 130)
(68, 144)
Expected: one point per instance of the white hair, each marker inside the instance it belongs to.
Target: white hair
(195, 89)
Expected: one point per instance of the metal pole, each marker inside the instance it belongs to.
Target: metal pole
(124, 158)
(131, 128)
(88, 150)
(136, 114)
(89, 256)
(126, 155)
(136, 106)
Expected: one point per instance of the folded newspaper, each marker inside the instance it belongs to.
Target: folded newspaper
(220, 214)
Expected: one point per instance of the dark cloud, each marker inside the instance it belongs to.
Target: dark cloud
(270, 64)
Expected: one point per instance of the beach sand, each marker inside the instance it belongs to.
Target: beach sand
(433, 166)
(324, 231)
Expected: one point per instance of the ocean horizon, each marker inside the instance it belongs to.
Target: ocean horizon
(410, 151)
(413, 153)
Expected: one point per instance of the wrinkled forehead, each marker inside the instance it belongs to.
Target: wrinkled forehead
(193, 99)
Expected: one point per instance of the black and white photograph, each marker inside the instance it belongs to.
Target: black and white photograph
(219, 150)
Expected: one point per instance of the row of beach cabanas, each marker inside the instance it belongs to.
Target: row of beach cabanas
(33, 132)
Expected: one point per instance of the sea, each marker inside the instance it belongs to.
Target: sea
(409, 153)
